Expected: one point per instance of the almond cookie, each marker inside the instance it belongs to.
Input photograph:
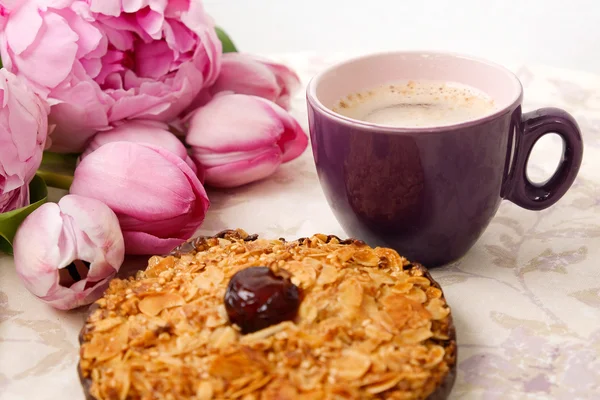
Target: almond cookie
(238, 317)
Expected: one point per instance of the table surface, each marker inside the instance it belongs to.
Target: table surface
(526, 298)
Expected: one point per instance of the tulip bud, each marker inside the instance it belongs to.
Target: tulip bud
(245, 74)
(237, 139)
(141, 131)
(23, 132)
(157, 197)
(66, 253)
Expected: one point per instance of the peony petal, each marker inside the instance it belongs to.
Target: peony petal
(106, 7)
(79, 112)
(151, 22)
(153, 60)
(89, 37)
(23, 132)
(26, 15)
(14, 199)
(55, 50)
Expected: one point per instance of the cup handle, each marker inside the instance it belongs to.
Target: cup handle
(534, 125)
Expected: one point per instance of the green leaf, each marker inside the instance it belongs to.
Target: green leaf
(10, 221)
(228, 46)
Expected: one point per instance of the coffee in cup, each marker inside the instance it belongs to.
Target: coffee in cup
(416, 104)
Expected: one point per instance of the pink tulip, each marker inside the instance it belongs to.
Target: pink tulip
(245, 74)
(99, 62)
(239, 139)
(23, 132)
(67, 253)
(157, 197)
(139, 131)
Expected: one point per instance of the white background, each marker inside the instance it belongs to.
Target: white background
(561, 33)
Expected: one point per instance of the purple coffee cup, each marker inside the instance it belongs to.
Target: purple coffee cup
(430, 192)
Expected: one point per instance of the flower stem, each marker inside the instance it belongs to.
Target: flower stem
(56, 180)
(59, 159)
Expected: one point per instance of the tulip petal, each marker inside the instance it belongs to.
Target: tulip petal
(245, 171)
(124, 175)
(53, 237)
(294, 140)
(242, 74)
(91, 235)
(37, 264)
(234, 122)
(140, 243)
(101, 170)
(142, 131)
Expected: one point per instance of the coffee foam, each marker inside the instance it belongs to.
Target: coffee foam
(417, 104)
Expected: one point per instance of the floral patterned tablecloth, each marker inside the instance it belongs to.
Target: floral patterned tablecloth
(526, 298)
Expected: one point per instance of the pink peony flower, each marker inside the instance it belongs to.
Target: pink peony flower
(23, 133)
(66, 253)
(157, 197)
(237, 139)
(141, 131)
(245, 74)
(99, 62)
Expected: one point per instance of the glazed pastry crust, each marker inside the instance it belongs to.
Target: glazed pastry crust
(371, 325)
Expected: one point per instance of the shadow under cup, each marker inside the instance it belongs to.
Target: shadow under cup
(430, 192)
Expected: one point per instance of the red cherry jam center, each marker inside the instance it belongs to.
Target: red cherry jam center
(257, 298)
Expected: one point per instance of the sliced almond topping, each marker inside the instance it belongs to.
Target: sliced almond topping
(267, 332)
(204, 391)
(107, 324)
(402, 287)
(350, 296)
(383, 386)
(152, 305)
(438, 309)
(433, 293)
(345, 253)
(211, 277)
(329, 274)
(241, 363)
(160, 266)
(105, 346)
(366, 256)
(405, 313)
(435, 356)
(380, 278)
(420, 281)
(255, 385)
(308, 312)
(224, 337)
(390, 257)
(414, 336)
(351, 365)
(417, 295)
